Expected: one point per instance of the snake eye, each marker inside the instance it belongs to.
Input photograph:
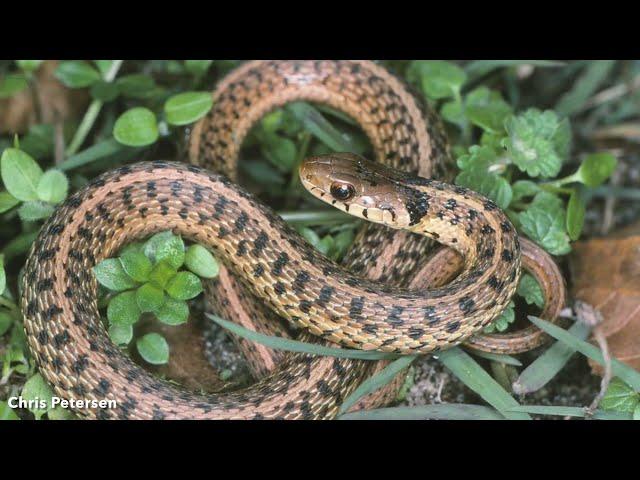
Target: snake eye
(342, 191)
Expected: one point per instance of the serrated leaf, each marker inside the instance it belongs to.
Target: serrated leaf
(544, 223)
(184, 286)
(523, 189)
(76, 74)
(123, 309)
(620, 397)
(33, 211)
(530, 290)
(487, 109)
(121, 333)
(187, 107)
(136, 127)
(149, 298)
(173, 312)
(20, 174)
(136, 264)
(596, 168)
(200, 261)
(538, 142)
(110, 274)
(53, 186)
(492, 186)
(505, 319)
(153, 348)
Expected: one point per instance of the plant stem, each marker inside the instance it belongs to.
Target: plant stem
(91, 114)
(314, 218)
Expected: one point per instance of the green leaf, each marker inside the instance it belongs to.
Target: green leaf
(136, 265)
(7, 201)
(538, 142)
(29, 65)
(39, 141)
(497, 357)
(317, 125)
(184, 286)
(477, 174)
(523, 189)
(136, 127)
(579, 412)
(197, 67)
(280, 151)
(377, 381)
(53, 186)
(187, 107)
(96, 152)
(6, 412)
(530, 290)
(506, 318)
(453, 111)
(478, 68)
(20, 174)
(76, 74)
(546, 366)
(104, 91)
(165, 246)
(5, 319)
(3, 275)
(110, 274)
(619, 369)
(449, 411)
(596, 168)
(136, 86)
(121, 333)
(153, 348)
(576, 211)
(487, 109)
(103, 65)
(544, 223)
(161, 274)
(123, 309)
(620, 397)
(12, 84)
(36, 388)
(439, 79)
(289, 345)
(173, 312)
(149, 298)
(636, 412)
(478, 380)
(200, 261)
(33, 211)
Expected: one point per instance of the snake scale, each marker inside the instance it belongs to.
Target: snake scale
(369, 302)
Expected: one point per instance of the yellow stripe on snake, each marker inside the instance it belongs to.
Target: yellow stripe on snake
(370, 302)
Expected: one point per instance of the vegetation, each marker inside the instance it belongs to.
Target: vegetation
(526, 147)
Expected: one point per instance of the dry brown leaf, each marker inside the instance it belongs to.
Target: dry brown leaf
(54, 100)
(606, 274)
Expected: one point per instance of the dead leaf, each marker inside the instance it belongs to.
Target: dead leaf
(606, 274)
(54, 102)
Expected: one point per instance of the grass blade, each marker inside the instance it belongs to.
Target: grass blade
(317, 125)
(625, 372)
(572, 412)
(594, 75)
(451, 411)
(479, 68)
(377, 381)
(300, 347)
(477, 379)
(91, 154)
(547, 365)
(495, 357)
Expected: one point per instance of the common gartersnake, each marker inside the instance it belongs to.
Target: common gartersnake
(273, 262)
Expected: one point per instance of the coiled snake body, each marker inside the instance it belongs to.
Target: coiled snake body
(63, 324)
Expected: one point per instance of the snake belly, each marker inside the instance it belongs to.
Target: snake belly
(62, 322)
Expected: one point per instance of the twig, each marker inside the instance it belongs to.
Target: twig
(587, 314)
(91, 114)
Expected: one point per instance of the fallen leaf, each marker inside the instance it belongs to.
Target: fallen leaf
(606, 274)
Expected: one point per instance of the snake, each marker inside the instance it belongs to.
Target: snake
(365, 303)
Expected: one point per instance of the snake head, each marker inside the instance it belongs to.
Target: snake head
(359, 187)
